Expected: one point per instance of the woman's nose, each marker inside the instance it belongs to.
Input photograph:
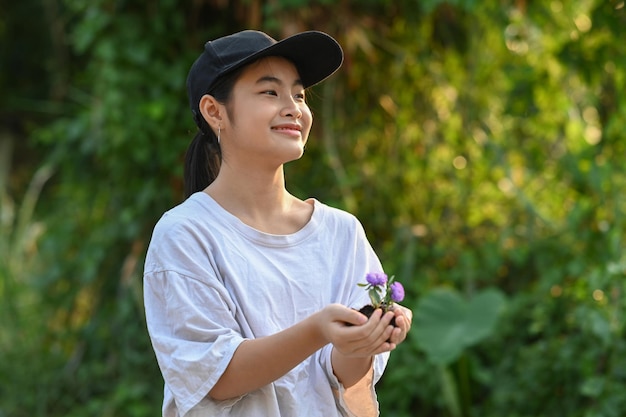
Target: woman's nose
(292, 109)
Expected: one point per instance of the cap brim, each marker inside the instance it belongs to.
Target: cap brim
(315, 54)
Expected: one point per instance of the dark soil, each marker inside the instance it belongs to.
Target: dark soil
(369, 309)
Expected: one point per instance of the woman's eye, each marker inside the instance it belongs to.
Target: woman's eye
(299, 96)
(270, 92)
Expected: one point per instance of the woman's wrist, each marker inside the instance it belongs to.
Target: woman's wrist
(350, 369)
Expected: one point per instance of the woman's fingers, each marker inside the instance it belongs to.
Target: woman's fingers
(371, 337)
(355, 335)
(403, 317)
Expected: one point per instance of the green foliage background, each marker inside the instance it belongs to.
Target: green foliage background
(480, 143)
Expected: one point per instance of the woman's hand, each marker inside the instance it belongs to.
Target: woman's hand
(353, 335)
(355, 340)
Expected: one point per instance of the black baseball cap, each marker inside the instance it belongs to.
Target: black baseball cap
(315, 54)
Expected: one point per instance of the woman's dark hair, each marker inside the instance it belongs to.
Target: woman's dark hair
(204, 155)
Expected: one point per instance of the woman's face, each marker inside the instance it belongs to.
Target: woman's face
(269, 119)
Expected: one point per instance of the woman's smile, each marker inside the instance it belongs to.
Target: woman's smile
(291, 129)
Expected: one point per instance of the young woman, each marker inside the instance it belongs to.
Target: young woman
(250, 292)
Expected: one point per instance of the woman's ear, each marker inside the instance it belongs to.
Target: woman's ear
(211, 110)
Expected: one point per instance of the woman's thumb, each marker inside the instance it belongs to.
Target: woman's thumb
(353, 317)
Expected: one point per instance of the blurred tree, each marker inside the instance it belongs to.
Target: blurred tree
(480, 143)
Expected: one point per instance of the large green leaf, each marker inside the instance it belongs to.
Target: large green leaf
(446, 323)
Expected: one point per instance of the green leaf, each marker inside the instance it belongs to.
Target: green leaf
(446, 323)
(375, 297)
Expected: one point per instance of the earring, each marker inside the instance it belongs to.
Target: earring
(219, 135)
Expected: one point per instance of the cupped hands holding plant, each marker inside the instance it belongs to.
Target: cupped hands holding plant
(357, 336)
(375, 328)
(354, 335)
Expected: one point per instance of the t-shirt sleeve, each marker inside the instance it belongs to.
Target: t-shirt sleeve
(362, 259)
(190, 319)
(193, 340)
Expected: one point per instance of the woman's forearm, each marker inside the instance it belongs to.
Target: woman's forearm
(258, 362)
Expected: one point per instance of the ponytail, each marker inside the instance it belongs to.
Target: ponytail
(204, 154)
(202, 162)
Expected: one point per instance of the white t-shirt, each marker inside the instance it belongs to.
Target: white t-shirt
(211, 281)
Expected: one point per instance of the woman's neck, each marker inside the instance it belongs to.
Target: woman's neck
(260, 200)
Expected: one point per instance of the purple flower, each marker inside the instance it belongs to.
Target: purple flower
(397, 292)
(376, 278)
